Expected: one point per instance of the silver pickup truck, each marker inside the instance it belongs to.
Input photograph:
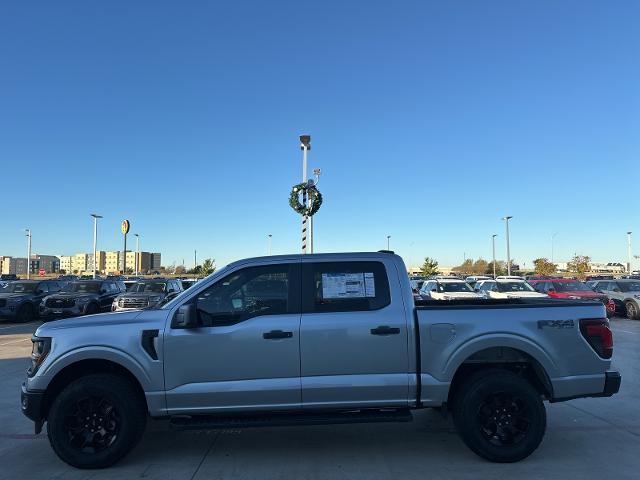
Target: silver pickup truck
(315, 339)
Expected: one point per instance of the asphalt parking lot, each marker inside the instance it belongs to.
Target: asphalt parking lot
(586, 438)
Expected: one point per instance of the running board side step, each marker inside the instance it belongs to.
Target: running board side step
(211, 422)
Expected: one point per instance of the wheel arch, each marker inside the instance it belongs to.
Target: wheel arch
(509, 358)
(84, 367)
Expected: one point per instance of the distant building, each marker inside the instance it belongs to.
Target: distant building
(112, 262)
(101, 261)
(65, 263)
(79, 263)
(50, 263)
(156, 261)
(14, 265)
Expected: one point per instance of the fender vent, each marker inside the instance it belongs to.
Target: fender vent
(149, 344)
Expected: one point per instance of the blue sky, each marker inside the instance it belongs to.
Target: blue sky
(430, 121)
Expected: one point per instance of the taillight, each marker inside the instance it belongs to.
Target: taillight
(597, 333)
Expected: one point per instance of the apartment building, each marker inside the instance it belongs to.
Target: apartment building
(14, 265)
(101, 261)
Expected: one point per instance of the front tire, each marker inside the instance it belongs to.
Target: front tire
(92, 309)
(96, 420)
(25, 313)
(632, 310)
(500, 416)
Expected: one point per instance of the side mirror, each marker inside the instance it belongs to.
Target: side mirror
(103, 291)
(39, 292)
(551, 290)
(434, 289)
(185, 317)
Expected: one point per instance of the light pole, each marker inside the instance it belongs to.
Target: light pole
(506, 221)
(305, 146)
(28, 230)
(552, 239)
(95, 240)
(493, 248)
(137, 251)
(316, 173)
(388, 243)
(269, 244)
(629, 252)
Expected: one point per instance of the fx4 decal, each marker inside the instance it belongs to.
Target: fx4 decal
(555, 324)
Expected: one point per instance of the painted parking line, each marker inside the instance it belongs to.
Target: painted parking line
(15, 325)
(625, 331)
(15, 341)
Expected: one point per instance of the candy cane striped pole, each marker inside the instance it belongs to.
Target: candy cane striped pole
(305, 145)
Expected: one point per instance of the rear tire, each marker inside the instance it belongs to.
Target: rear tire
(632, 310)
(96, 420)
(25, 313)
(499, 415)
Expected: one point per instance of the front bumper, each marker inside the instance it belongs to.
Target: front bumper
(32, 405)
(61, 312)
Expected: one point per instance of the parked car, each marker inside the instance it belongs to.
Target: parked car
(416, 284)
(573, 290)
(447, 289)
(8, 277)
(188, 282)
(147, 293)
(20, 300)
(82, 297)
(328, 338)
(503, 288)
(509, 277)
(625, 293)
(473, 279)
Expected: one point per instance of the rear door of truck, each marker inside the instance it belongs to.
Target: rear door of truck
(353, 335)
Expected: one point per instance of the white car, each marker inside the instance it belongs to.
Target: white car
(507, 288)
(447, 289)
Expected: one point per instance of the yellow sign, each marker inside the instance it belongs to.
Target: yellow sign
(124, 227)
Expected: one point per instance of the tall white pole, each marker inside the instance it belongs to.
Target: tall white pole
(95, 244)
(506, 220)
(493, 248)
(28, 230)
(629, 253)
(305, 144)
(388, 242)
(269, 244)
(137, 252)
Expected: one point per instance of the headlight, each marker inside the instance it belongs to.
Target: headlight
(13, 301)
(82, 301)
(154, 299)
(39, 351)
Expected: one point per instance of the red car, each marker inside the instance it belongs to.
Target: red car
(572, 289)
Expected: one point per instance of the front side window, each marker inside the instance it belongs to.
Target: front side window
(629, 286)
(344, 287)
(244, 294)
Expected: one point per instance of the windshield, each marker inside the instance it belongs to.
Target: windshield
(454, 287)
(629, 286)
(570, 287)
(514, 287)
(82, 287)
(157, 287)
(20, 287)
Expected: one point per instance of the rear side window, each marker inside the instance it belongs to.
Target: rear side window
(344, 287)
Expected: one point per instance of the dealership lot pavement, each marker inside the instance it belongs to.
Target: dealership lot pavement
(586, 438)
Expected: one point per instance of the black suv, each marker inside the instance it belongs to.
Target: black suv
(147, 293)
(21, 299)
(82, 297)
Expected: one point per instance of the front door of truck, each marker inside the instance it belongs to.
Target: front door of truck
(353, 337)
(245, 353)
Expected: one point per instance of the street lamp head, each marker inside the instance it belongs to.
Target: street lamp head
(95, 215)
(305, 141)
(629, 233)
(494, 235)
(317, 172)
(508, 217)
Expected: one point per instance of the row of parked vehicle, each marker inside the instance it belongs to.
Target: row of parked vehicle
(24, 300)
(620, 296)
